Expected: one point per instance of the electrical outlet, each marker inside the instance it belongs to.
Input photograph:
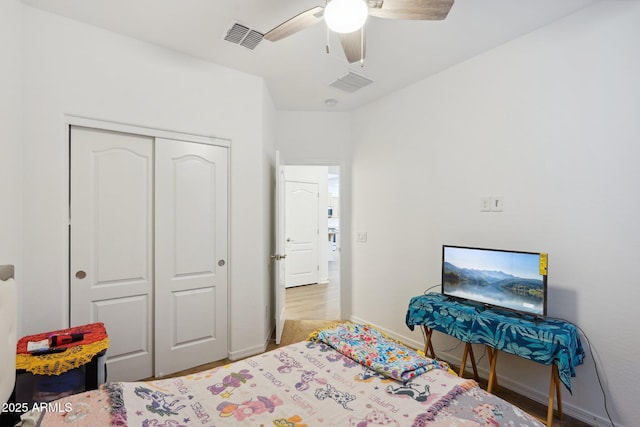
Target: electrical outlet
(361, 236)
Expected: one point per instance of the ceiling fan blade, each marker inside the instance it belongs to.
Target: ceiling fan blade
(354, 45)
(295, 24)
(432, 10)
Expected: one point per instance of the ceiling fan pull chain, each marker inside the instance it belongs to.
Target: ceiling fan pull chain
(327, 46)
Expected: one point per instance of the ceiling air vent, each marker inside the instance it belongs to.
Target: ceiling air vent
(351, 82)
(244, 36)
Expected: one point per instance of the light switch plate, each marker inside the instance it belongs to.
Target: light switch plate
(497, 204)
(485, 204)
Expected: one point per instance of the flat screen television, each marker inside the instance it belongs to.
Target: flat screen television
(512, 280)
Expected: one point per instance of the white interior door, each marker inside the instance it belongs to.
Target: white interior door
(111, 238)
(301, 218)
(280, 256)
(191, 255)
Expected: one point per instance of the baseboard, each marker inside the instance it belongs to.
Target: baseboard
(533, 394)
(268, 339)
(248, 352)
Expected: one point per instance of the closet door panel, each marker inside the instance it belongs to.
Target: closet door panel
(191, 255)
(111, 252)
(194, 210)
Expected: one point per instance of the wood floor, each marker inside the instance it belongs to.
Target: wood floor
(317, 301)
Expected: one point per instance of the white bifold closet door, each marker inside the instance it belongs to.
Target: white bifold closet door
(148, 249)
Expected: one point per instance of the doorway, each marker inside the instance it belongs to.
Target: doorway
(320, 300)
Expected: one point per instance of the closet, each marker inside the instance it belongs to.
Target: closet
(148, 235)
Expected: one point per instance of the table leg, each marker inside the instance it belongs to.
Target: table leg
(468, 350)
(463, 363)
(473, 363)
(428, 347)
(490, 352)
(554, 389)
(493, 357)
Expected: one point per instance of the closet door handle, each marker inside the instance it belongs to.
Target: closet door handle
(221, 263)
(80, 274)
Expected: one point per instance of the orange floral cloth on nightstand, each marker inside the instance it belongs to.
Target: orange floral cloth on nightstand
(77, 353)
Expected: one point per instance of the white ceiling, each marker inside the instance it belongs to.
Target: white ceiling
(297, 70)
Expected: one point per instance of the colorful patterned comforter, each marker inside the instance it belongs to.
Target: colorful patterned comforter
(303, 384)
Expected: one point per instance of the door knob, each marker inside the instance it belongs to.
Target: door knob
(221, 263)
(80, 274)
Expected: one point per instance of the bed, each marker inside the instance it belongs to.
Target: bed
(8, 323)
(348, 375)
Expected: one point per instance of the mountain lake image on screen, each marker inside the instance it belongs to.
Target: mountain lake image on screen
(509, 279)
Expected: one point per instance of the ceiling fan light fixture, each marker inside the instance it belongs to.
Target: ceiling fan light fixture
(345, 16)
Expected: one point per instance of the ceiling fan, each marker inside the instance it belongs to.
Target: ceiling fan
(347, 18)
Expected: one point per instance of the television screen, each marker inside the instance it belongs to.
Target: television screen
(509, 279)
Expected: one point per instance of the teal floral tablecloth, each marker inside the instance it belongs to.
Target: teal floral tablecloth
(547, 341)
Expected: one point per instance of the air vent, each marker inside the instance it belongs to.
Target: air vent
(244, 36)
(351, 82)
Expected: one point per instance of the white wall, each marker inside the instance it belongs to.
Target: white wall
(73, 68)
(323, 138)
(550, 122)
(306, 137)
(10, 131)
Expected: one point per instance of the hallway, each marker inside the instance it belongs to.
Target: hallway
(316, 301)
